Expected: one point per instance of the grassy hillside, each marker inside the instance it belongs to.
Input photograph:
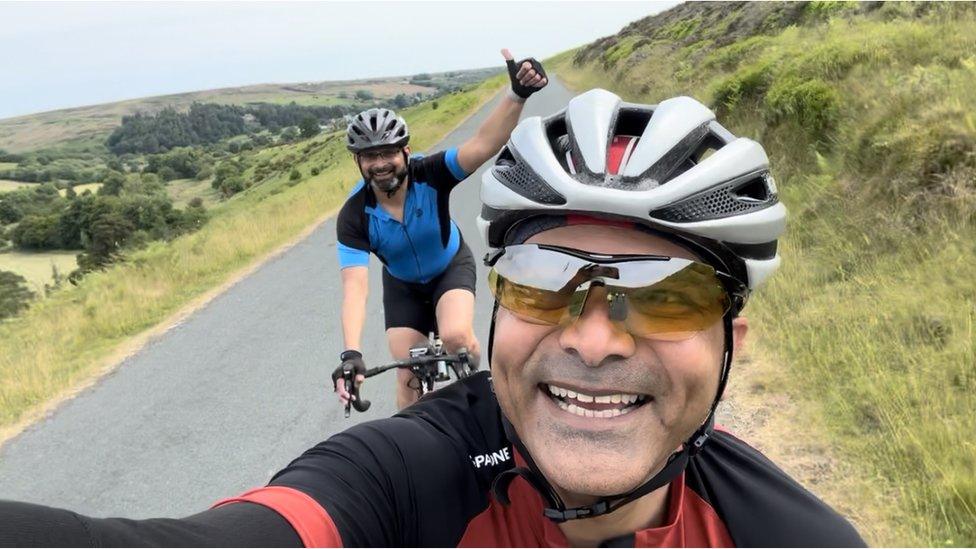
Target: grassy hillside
(81, 124)
(868, 113)
(65, 339)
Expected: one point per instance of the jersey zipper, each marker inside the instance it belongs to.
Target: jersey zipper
(414, 250)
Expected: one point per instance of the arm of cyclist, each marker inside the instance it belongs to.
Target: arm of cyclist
(527, 77)
(236, 524)
(355, 289)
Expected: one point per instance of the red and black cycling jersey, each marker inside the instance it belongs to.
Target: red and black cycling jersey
(423, 478)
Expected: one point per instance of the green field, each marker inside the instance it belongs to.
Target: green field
(7, 165)
(93, 187)
(182, 191)
(867, 114)
(37, 267)
(64, 340)
(8, 185)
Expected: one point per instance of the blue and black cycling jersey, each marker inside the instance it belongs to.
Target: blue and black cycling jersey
(422, 246)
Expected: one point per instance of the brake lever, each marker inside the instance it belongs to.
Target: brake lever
(349, 377)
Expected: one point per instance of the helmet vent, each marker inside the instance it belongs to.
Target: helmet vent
(754, 190)
(515, 174)
(737, 197)
(631, 121)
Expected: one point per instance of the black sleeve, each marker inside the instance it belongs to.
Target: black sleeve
(232, 525)
(351, 228)
(403, 481)
(434, 171)
(760, 504)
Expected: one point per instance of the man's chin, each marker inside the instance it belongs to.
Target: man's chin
(590, 469)
(587, 479)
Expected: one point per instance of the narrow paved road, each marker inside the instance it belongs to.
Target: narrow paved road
(222, 401)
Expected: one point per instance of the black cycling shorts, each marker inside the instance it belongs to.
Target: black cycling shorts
(414, 305)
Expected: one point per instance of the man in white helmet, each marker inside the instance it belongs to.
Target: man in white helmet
(626, 239)
(399, 211)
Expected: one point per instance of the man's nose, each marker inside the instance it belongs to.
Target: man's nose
(593, 336)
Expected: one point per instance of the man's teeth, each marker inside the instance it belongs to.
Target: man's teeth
(583, 412)
(628, 401)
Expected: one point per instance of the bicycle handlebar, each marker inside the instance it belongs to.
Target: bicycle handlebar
(418, 361)
(424, 360)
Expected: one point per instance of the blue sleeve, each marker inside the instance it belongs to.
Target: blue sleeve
(351, 257)
(450, 158)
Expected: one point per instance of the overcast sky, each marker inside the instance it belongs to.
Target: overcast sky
(55, 55)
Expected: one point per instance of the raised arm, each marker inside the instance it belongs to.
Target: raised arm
(527, 77)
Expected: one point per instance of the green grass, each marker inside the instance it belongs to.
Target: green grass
(7, 165)
(93, 187)
(7, 185)
(37, 267)
(182, 191)
(869, 125)
(63, 340)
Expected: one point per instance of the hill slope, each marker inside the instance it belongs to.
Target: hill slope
(44, 129)
(867, 113)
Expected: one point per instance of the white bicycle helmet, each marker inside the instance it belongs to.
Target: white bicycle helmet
(374, 128)
(670, 167)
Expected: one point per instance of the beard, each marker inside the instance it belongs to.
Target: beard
(387, 183)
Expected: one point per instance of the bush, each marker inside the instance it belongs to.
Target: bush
(231, 186)
(15, 296)
(113, 186)
(315, 170)
(288, 134)
(206, 171)
(750, 82)
(38, 232)
(309, 127)
(812, 104)
(295, 175)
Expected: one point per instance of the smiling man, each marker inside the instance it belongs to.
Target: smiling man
(399, 211)
(625, 241)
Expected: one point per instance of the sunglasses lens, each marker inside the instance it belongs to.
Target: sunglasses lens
(679, 299)
(532, 304)
(679, 306)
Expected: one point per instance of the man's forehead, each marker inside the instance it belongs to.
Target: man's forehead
(603, 239)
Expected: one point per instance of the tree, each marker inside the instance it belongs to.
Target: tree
(401, 101)
(15, 296)
(37, 232)
(288, 134)
(113, 185)
(108, 234)
(309, 127)
(364, 95)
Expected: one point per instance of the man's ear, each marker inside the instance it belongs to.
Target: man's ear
(740, 327)
(406, 149)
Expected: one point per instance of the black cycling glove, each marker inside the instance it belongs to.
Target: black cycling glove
(513, 67)
(352, 361)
